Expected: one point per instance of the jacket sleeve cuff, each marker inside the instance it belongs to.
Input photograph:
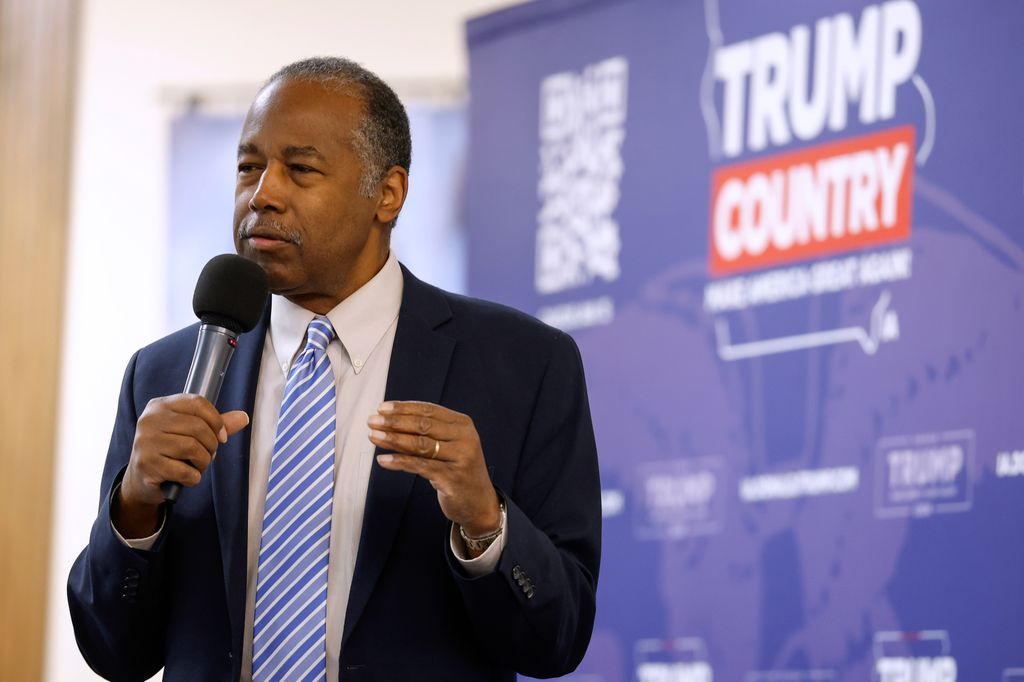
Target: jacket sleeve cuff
(146, 544)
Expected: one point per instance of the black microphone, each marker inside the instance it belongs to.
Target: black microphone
(229, 299)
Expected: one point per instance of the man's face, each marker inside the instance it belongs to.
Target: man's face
(298, 210)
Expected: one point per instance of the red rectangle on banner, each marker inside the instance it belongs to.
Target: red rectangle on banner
(825, 199)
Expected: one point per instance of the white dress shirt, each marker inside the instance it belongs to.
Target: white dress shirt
(360, 356)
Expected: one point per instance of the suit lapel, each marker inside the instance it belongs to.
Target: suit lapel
(229, 474)
(419, 366)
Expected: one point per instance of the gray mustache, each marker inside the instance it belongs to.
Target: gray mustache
(279, 231)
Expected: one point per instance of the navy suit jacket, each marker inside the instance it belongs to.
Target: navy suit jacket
(413, 614)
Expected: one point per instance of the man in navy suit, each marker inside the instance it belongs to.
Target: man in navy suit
(465, 531)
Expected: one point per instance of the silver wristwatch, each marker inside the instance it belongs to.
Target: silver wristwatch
(481, 543)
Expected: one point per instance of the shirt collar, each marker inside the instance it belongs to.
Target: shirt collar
(360, 320)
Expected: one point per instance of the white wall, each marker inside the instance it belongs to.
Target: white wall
(136, 61)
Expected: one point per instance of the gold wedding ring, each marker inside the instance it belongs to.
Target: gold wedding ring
(437, 449)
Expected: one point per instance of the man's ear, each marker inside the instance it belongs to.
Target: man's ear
(393, 190)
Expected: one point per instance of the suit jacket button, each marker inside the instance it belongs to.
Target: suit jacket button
(516, 572)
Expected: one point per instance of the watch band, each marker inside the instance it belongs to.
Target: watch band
(482, 542)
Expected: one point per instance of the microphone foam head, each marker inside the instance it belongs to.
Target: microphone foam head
(231, 292)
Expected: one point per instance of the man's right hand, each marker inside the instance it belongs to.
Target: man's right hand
(175, 440)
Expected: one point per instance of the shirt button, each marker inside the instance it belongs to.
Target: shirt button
(284, 367)
(357, 362)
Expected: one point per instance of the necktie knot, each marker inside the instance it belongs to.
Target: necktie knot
(319, 333)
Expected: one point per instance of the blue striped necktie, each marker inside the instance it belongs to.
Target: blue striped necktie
(289, 624)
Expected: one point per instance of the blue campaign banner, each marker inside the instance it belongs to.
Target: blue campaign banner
(788, 239)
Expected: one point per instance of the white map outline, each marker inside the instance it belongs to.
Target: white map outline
(869, 339)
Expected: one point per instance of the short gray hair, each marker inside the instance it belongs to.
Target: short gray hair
(382, 140)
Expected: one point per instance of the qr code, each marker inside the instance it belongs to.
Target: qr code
(582, 128)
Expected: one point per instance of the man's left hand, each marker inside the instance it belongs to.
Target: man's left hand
(442, 446)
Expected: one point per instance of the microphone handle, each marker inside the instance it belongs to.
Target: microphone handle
(214, 349)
